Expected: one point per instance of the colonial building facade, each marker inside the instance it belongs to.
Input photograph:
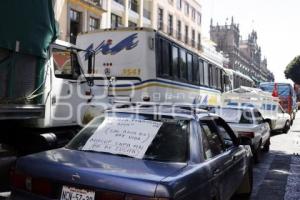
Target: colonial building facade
(244, 55)
(76, 16)
(180, 19)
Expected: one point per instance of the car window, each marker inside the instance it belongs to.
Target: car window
(230, 115)
(224, 134)
(258, 117)
(215, 143)
(246, 117)
(170, 144)
(206, 148)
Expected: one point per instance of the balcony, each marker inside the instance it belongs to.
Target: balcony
(193, 43)
(179, 35)
(97, 3)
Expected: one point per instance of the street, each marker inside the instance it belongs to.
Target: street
(277, 176)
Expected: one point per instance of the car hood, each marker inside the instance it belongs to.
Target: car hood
(98, 170)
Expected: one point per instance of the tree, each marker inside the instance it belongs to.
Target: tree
(292, 71)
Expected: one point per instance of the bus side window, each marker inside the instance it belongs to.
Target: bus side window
(189, 67)
(175, 58)
(206, 74)
(158, 55)
(216, 77)
(211, 75)
(219, 80)
(166, 58)
(196, 72)
(201, 71)
(182, 65)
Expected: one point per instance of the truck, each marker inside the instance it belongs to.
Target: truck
(42, 90)
(286, 93)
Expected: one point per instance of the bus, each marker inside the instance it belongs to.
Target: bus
(141, 64)
(286, 94)
(238, 79)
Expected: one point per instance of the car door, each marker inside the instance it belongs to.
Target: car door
(280, 118)
(220, 159)
(234, 157)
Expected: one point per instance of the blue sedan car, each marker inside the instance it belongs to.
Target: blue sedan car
(140, 154)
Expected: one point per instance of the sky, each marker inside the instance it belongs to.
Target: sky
(277, 23)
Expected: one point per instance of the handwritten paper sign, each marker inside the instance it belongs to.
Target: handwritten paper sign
(130, 137)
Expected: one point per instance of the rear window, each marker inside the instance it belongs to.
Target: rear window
(138, 136)
(235, 115)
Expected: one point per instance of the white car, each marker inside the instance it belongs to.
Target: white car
(283, 121)
(248, 122)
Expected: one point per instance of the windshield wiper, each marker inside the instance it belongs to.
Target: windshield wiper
(108, 153)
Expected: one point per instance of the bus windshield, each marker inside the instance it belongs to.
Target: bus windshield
(283, 90)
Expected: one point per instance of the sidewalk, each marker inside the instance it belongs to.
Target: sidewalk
(278, 176)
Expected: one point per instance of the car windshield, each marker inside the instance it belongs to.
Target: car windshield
(283, 90)
(232, 115)
(136, 135)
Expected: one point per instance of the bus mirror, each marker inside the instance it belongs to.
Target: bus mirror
(90, 63)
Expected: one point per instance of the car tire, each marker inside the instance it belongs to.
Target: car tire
(245, 189)
(286, 127)
(256, 153)
(267, 146)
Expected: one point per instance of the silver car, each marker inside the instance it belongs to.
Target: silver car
(248, 122)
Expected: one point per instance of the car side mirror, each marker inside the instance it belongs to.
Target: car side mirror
(244, 141)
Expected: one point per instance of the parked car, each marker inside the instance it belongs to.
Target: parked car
(248, 122)
(141, 153)
(283, 122)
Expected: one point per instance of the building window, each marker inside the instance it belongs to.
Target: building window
(93, 24)
(147, 14)
(116, 21)
(179, 30)
(187, 8)
(193, 14)
(199, 41)
(182, 65)
(179, 4)
(120, 1)
(199, 18)
(133, 5)
(170, 25)
(75, 27)
(160, 19)
(186, 38)
(193, 38)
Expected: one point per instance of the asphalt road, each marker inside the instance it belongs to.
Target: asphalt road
(277, 176)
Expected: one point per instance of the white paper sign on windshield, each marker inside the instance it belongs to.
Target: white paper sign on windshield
(130, 137)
